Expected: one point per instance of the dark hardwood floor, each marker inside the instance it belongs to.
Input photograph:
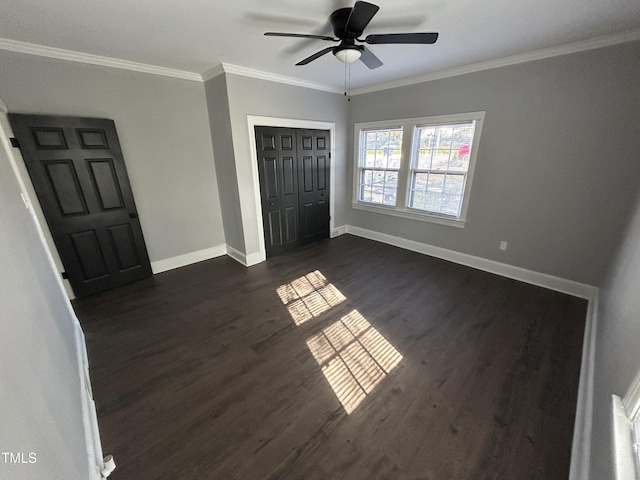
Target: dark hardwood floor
(348, 359)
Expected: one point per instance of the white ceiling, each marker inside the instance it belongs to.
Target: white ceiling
(196, 35)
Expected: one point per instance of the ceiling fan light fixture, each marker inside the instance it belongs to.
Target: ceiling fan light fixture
(348, 55)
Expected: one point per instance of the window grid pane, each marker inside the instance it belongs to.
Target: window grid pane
(440, 162)
(380, 157)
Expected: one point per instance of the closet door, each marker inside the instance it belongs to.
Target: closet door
(278, 170)
(313, 184)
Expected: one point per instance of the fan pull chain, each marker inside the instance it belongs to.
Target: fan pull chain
(347, 81)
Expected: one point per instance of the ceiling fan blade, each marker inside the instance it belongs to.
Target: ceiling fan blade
(422, 38)
(300, 35)
(361, 15)
(369, 59)
(302, 44)
(315, 56)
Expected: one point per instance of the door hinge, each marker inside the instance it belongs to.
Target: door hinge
(329, 155)
(14, 142)
(64, 275)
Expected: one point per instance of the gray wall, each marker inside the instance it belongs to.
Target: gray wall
(222, 140)
(250, 96)
(164, 133)
(40, 387)
(617, 352)
(557, 169)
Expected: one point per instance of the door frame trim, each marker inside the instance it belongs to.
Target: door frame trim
(256, 120)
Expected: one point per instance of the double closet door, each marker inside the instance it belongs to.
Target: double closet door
(293, 165)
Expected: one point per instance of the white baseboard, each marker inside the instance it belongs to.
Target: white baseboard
(336, 232)
(188, 258)
(581, 447)
(563, 285)
(254, 259)
(237, 255)
(244, 259)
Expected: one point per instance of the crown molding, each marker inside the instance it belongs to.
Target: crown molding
(213, 72)
(272, 77)
(73, 56)
(606, 41)
(219, 69)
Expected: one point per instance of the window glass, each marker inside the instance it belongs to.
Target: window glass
(380, 158)
(440, 163)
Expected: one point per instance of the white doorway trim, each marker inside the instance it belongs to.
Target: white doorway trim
(254, 121)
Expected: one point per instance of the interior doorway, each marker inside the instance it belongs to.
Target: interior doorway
(294, 176)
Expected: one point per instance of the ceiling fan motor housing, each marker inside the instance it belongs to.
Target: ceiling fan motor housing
(347, 51)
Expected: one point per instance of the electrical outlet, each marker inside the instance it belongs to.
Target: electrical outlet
(503, 245)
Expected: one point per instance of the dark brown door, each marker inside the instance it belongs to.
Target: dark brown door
(78, 173)
(278, 171)
(293, 165)
(313, 184)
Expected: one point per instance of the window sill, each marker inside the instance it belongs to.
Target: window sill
(412, 215)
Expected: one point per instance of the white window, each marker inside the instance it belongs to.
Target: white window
(425, 175)
(439, 166)
(380, 153)
(626, 433)
(631, 403)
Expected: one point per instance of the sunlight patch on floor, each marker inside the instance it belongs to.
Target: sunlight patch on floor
(354, 358)
(309, 296)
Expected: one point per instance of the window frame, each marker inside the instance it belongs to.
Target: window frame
(631, 403)
(409, 128)
(360, 168)
(626, 432)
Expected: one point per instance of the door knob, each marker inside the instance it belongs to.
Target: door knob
(271, 204)
(133, 215)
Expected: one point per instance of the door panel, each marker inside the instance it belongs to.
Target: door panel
(289, 180)
(270, 168)
(123, 241)
(291, 225)
(286, 142)
(105, 183)
(275, 229)
(307, 174)
(92, 138)
(323, 169)
(63, 181)
(49, 138)
(90, 254)
(80, 178)
(309, 215)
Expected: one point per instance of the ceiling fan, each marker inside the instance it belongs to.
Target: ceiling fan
(348, 25)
